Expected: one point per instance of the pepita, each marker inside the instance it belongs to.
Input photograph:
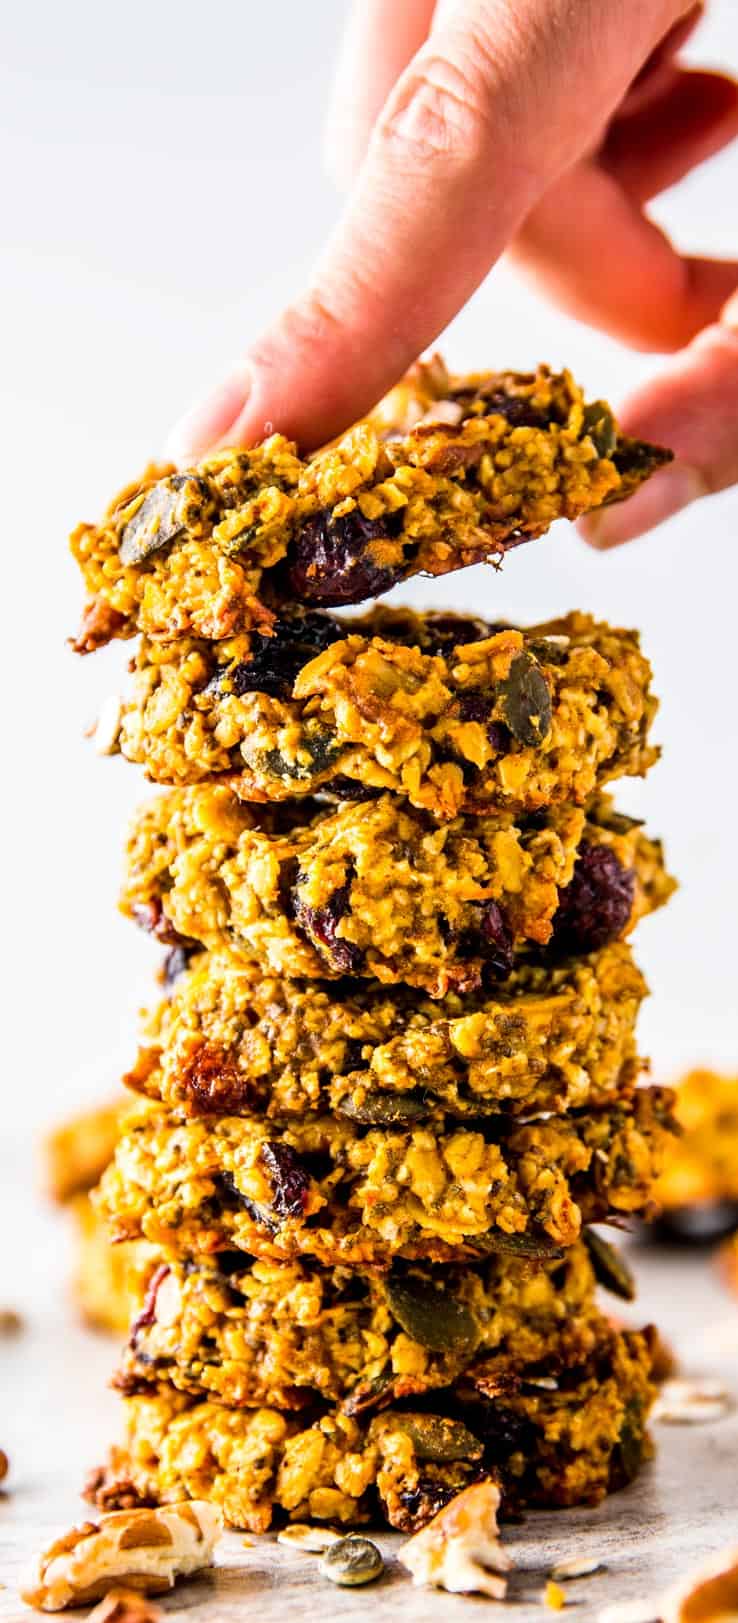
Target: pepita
(436, 1438)
(352, 1561)
(434, 1318)
(610, 1269)
(524, 699)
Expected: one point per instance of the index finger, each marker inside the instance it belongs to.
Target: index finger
(475, 128)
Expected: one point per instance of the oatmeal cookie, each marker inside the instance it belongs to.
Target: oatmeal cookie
(250, 1332)
(76, 1152)
(553, 1037)
(560, 1439)
(447, 711)
(326, 1188)
(447, 472)
(376, 890)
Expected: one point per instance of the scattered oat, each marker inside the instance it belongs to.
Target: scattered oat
(583, 1567)
(10, 1321)
(304, 1537)
(708, 1594)
(144, 1549)
(553, 1596)
(459, 1550)
(691, 1403)
(547, 1383)
(126, 1606)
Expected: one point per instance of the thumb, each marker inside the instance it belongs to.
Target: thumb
(693, 408)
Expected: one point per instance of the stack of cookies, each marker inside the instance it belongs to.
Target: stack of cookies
(393, 1076)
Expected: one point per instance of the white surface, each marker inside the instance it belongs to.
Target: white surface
(58, 1418)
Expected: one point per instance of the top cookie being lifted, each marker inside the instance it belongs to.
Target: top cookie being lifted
(446, 471)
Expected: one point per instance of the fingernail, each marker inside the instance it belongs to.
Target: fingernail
(206, 424)
(729, 312)
(666, 493)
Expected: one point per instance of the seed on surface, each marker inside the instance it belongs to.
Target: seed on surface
(313, 1539)
(352, 1561)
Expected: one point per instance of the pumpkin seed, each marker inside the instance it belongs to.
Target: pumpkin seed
(160, 518)
(436, 1438)
(321, 749)
(630, 1442)
(378, 1109)
(434, 1318)
(537, 1246)
(524, 699)
(599, 423)
(369, 1394)
(610, 1269)
(305, 1536)
(352, 1561)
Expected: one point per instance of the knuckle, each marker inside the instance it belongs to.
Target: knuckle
(439, 110)
(304, 329)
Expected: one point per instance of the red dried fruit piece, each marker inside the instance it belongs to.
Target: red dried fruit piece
(290, 1182)
(595, 908)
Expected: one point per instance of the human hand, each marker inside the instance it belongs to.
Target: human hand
(476, 125)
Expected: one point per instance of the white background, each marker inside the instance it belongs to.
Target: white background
(162, 194)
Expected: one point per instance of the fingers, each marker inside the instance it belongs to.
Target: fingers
(693, 408)
(695, 116)
(380, 39)
(473, 131)
(588, 246)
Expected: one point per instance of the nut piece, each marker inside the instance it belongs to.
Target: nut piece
(459, 1550)
(304, 1537)
(143, 1549)
(126, 1606)
(553, 1596)
(352, 1561)
(708, 1594)
(691, 1403)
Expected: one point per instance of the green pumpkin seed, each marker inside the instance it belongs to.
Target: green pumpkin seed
(524, 700)
(436, 1438)
(537, 1246)
(160, 519)
(630, 1442)
(320, 748)
(610, 1269)
(599, 423)
(352, 1561)
(378, 1109)
(434, 1318)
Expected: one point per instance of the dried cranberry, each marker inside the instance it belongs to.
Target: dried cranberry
(595, 908)
(150, 916)
(517, 411)
(442, 632)
(148, 1311)
(320, 924)
(475, 705)
(421, 1503)
(500, 737)
(175, 965)
(344, 788)
(275, 661)
(290, 1182)
(213, 1084)
(329, 561)
(497, 940)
